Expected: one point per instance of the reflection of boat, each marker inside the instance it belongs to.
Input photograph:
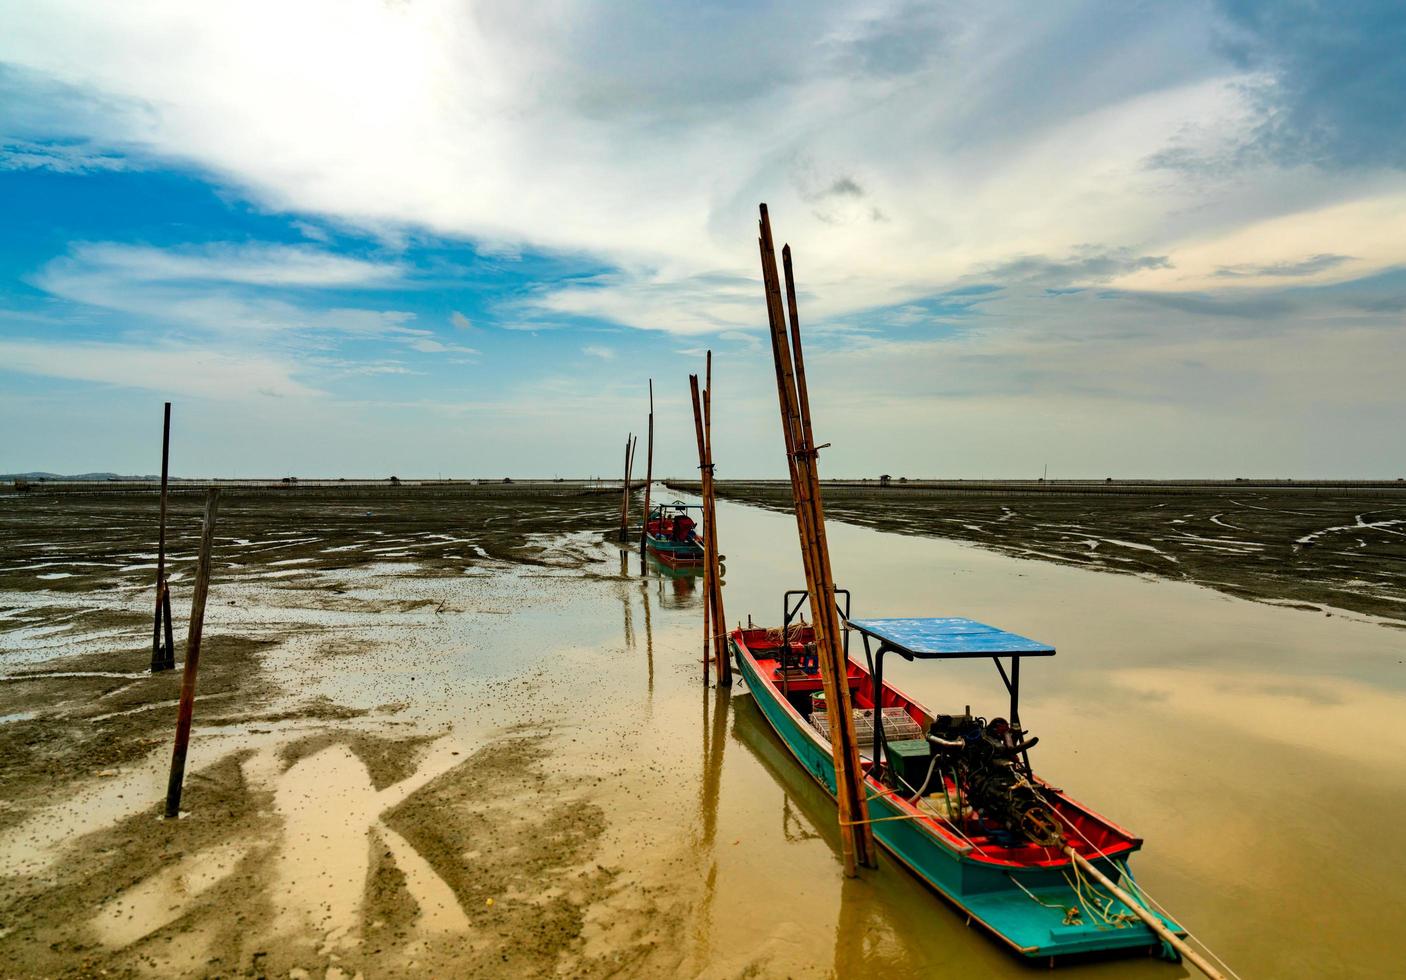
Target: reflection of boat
(671, 535)
(955, 800)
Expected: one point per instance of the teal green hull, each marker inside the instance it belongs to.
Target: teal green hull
(987, 893)
(675, 552)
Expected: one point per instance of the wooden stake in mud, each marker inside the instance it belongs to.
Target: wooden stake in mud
(163, 658)
(714, 617)
(197, 625)
(856, 837)
(625, 491)
(715, 567)
(648, 479)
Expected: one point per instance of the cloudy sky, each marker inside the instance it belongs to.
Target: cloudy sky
(362, 237)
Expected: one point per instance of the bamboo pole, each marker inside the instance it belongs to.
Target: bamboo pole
(163, 658)
(857, 846)
(715, 619)
(625, 490)
(648, 479)
(1152, 921)
(707, 622)
(192, 664)
(703, 491)
(714, 558)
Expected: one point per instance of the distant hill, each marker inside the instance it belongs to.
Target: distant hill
(36, 477)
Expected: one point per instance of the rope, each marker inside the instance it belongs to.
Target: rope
(1139, 891)
(1071, 913)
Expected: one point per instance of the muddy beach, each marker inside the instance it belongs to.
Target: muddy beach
(459, 734)
(356, 801)
(1313, 548)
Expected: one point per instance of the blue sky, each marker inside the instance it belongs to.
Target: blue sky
(359, 238)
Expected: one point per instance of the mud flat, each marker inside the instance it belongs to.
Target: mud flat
(386, 774)
(1334, 548)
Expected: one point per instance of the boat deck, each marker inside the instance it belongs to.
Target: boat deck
(1028, 894)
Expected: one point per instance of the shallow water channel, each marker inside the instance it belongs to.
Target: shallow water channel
(1260, 751)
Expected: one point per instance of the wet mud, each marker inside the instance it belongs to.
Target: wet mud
(333, 822)
(429, 760)
(1313, 548)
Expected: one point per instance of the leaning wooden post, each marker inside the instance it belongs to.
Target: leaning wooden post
(857, 847)
(163, 659)
(648, 479)
(197, 624)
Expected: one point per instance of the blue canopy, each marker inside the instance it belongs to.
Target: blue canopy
(948, 636)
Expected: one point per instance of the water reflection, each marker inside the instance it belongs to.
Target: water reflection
(716, 702)
(1260, 751)
(678, 588)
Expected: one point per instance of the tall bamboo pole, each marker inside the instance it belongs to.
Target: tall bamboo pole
(857, 847)
(648, 479)
(715, 619)
(163, 658)
(625, 490)
(197, 627)
(720, 653)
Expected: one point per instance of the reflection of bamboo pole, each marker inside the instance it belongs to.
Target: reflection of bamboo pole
(648, 479)
(197, 626)
(793, 396)
(163, 658)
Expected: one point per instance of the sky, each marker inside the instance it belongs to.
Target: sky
(417, 237)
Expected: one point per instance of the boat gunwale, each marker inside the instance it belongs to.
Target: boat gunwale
(930, 823)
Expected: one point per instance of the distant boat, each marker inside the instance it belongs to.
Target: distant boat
(956, 801)
(672, 536)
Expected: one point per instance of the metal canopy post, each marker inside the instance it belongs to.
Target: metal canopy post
(944, 638)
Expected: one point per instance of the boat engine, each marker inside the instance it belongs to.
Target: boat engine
(984, 758)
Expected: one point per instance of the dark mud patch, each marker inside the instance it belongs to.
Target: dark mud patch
(388, 761)
(148, 896)
(91, 714)
(517, 848)
(72, 543)
(1338, 547)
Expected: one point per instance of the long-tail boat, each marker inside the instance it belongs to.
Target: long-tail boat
(953, 797)
(672, 536)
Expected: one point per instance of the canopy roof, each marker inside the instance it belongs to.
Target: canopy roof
(948, 636)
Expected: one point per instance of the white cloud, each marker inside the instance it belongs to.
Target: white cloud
(604, 353)
(460, 321)
(64, 158)
(198, 373)
(259, 265)
(222, 289)
(899, 152)
(426, 345)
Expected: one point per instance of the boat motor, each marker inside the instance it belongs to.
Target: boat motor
(983, 758)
